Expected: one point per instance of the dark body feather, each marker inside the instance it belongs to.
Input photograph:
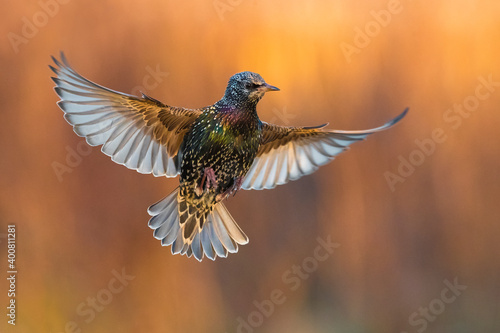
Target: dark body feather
(226, 139)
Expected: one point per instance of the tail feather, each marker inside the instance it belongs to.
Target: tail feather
(221, 232)
(218, 235)
(233, 229)
(207, 244)
(219, 249)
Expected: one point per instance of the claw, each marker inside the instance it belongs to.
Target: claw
(209, 180)
(238, 182)
(237, 185)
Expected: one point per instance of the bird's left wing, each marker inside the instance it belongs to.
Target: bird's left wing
(288, 153)
(141, 133)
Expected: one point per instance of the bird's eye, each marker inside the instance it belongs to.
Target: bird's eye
(252, 85)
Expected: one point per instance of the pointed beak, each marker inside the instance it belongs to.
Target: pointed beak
(267, 87)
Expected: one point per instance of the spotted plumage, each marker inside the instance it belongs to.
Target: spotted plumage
(216, 150)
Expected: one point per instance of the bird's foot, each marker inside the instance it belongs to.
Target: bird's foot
(238, 182)
(237, 186)
(208, 181)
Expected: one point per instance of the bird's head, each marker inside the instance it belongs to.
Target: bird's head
(246, 88)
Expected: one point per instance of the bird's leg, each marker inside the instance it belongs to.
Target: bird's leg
(211, 179)
(238, 182)
(208, 181)
(237, 185)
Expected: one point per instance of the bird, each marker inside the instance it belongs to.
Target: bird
(215, 150)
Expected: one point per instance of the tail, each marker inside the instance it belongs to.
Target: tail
(217, 236)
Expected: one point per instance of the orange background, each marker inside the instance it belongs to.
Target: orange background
(396, 247)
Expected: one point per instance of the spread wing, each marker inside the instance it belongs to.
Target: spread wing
(141, 133)
(288, 153)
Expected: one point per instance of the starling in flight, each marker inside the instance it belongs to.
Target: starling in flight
(217, 150)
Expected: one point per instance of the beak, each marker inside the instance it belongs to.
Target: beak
(267, 87)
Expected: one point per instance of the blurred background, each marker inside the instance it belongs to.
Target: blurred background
(416, 225)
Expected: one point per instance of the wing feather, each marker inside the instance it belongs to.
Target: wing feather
(141, 133)
(288, 153)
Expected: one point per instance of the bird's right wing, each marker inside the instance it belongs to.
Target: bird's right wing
(141, 133)
(288, 153)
